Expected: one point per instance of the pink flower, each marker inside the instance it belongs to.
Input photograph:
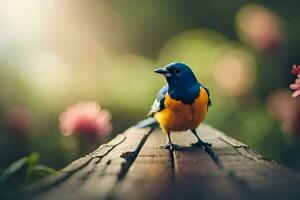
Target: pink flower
(296, 86)
(19, 119)
(286, 110)
(296, 69)
(260, 27)
(85, 118)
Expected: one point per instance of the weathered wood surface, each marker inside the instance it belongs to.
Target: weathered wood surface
(133, 166)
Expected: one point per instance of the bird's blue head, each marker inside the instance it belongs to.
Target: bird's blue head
(178, 75)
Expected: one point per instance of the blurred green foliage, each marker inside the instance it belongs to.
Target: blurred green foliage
(105, 51)
(22, 172)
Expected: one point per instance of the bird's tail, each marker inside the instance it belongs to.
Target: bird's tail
(148, 122)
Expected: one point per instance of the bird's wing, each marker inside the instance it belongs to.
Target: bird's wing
(158, 103)
(208, 93)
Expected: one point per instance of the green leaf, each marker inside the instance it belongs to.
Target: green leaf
(41, 171)
(14, 167)
(33, 160)
(33, 170)
(45, 169)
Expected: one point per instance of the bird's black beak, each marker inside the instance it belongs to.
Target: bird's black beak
(163, 71)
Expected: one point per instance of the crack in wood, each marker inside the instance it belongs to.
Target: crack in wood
(90, 170)
(149, 176)
(231, 174)
(49, 182)
(172, 158)
(234, 145)
(257, 176)
(52, 181)
(241, 184)
(130, 157)
(238, 182)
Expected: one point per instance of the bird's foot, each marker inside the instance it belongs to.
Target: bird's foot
(171, 147)
(202, 144)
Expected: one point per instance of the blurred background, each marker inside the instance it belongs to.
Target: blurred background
(54, 54)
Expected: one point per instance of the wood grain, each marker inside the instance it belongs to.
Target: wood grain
(257, 176)
(95, 177)
(133, 166)
(151, 175)
(197, 175)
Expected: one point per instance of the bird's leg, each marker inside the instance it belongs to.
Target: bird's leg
(200, 143)
(169, 145)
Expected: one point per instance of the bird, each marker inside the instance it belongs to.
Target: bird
(181, 104)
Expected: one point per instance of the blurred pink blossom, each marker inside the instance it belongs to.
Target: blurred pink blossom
(85, 118)
(19, 119)
(296, 86)
(260, 27)
(286, 110)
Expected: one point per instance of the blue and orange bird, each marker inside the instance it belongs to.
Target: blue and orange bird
(181, 104)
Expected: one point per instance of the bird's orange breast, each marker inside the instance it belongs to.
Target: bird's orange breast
(178, 116)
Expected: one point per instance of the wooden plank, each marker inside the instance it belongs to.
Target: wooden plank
(151, 175)
(96, 177)
(51, 181)
(258, 177)
(134, 166)
(197, 175)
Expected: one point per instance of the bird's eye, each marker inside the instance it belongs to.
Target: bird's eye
(177, 71)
